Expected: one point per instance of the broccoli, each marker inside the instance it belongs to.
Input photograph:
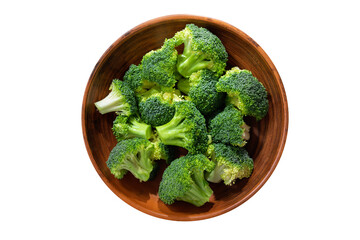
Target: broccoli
(184, 180)
(231, 163)
(201, 89)
(202, 49)
(245, 92)
(159, 66)
(156, 106)
(187, 129)
(134, 155)
(130, 127)
(162, 151)
(229, 127)
(121, 100)
(134, 78)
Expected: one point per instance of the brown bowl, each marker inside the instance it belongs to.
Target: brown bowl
(268, 136)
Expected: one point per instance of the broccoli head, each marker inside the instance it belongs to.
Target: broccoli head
(201, 89)
(229, 127)
(231, 163)
(245, 92)
(202, 50)
(184, 180)
(156, 106)
(134, 78)
(130, 127)
(159, 66)
(121, 100)
(187, 129)
(134, 155)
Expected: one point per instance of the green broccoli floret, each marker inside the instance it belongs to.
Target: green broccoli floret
(156, 106)
(134, 155)
(159, 66)
(245, 92)
(183, 180)
(202, 50)
(121, 100)
(229, 127)
(134, 78)
(201, 89)
(187, 129)
(231, 163)
(130, 127)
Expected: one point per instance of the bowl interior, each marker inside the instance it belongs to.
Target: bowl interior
(267, 136)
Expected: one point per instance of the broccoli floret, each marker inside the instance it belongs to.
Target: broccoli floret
(229, 127)
(202, 50)
(201, 89)
(245, 92)
(121, 100)
(231, 163)
(187, 129)
(156, 106)
(183, 180)
(159, 66)
(130, 127)
(134, 78)
(134, 155)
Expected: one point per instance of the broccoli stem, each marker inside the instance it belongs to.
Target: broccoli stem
(113, 102)
(215, 175)
(184, 85)
(174, 132)
(189, 63)
(139, 165)
(199, 192)
(141, 130)
(246, 133)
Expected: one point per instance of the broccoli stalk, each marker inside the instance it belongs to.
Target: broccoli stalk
(199, 191)
(139, 165)
(174, 132)
(121, 99)
(189, 62)
(125, 128)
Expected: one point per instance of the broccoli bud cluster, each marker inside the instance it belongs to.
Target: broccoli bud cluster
(184, 101)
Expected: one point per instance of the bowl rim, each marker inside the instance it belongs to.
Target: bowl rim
(188, 18)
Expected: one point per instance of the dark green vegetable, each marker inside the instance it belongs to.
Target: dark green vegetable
(159, 66)
(130, 127)
(134, 78)
(134, 155)
(229, 127)
(231, 163)
(245, 92)
(201, 89)
(202, 50)
(183, 180)
(186, 129)
(121, 100)
(156, 106)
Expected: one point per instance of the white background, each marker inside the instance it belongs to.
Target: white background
(48, 186)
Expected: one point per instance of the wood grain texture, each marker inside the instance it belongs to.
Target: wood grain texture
(268, 136)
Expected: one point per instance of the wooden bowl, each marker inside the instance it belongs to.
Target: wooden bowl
(268, 136)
